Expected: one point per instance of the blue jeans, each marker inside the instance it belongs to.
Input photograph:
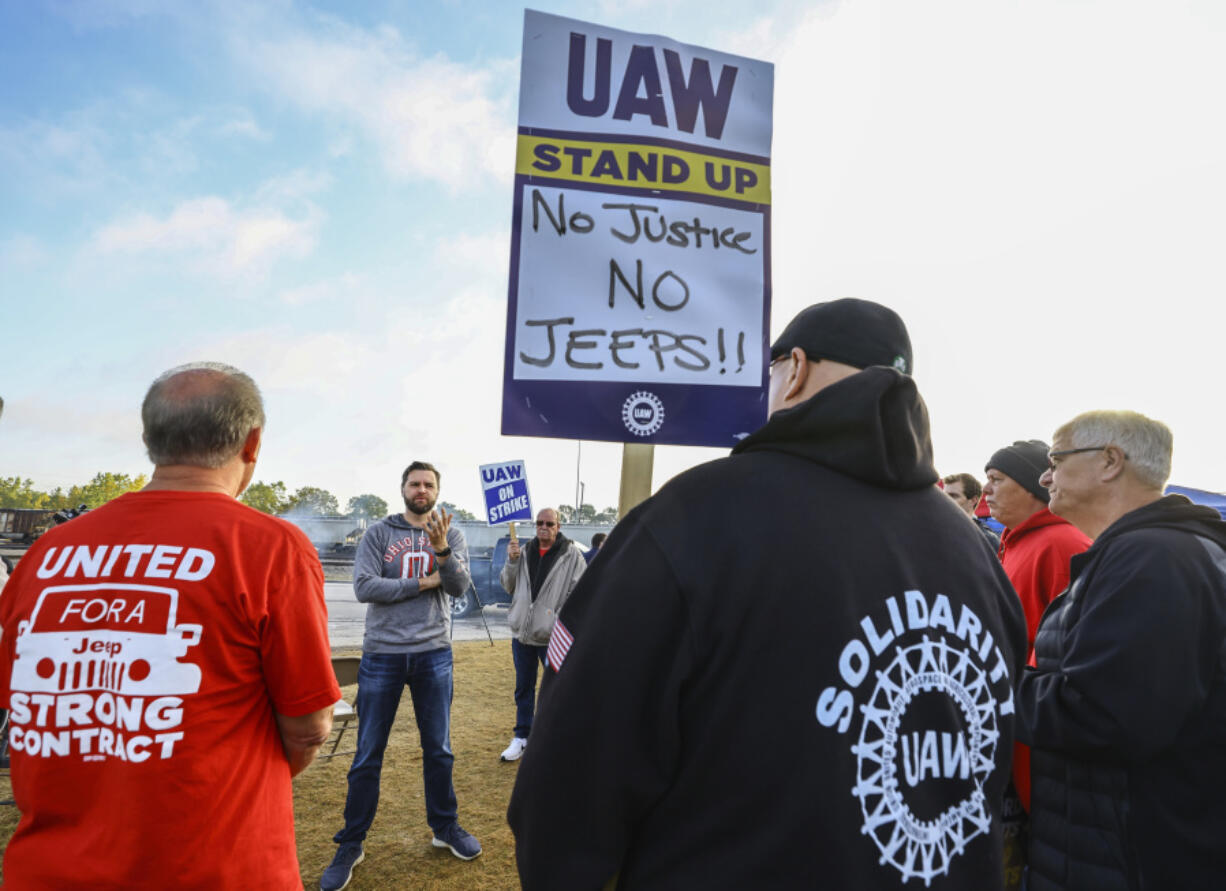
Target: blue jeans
(525, 657)
(381, 679)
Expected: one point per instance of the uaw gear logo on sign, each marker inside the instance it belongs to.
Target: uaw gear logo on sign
(643, 413)
(928, 728)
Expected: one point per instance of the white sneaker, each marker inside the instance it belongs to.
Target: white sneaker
(515, 750)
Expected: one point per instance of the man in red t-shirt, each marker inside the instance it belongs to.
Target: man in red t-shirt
(166, 662)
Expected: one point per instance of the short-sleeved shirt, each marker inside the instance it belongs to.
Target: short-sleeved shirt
(147, 647)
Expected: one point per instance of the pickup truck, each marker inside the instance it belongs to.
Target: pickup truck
(484, 564)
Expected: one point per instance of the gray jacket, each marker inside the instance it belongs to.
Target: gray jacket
(531, 620)
(400, 617)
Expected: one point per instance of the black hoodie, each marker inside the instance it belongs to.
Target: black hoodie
(791, 668)
(1126, 711)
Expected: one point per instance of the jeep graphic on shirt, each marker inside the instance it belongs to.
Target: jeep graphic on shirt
(116, 637)
(102, 654)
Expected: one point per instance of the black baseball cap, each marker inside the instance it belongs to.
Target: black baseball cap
(855, 332)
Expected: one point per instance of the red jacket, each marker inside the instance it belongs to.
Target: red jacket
(1035, 555)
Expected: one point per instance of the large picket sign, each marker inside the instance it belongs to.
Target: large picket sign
(639, 297)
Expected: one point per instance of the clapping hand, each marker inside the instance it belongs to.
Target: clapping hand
(436, 527)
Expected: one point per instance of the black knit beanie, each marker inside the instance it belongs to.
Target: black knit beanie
(1023, 462)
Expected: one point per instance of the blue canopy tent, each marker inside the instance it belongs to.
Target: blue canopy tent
(1215, 500)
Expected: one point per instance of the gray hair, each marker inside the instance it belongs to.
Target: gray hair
(1147, 443)
(200, 414)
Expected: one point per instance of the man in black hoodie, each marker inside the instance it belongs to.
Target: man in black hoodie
(1126, 712)
(794, 668)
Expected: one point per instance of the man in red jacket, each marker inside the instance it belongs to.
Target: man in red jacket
(1035, 550)
(1036, 545)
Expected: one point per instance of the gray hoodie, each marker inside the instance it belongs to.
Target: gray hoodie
(400, 617)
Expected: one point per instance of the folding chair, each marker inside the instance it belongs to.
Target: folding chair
(344, 715)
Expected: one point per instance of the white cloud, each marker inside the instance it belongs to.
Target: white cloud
(55, 437)
(487, 252)
(260, 237)
(244, 125)
(294, 186)
(431, 118)
(136, 137)
(216, 236)
(23, 251)
(343, 290)
(194, 223)
(341, 146)
(69, 155)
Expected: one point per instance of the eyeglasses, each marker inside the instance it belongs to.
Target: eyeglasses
(1052, 456)
(543, 523)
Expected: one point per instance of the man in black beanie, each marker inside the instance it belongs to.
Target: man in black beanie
(1036, 545)
(1035, 549)
(793, 666)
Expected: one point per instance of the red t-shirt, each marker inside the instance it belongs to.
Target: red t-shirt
(146, 647)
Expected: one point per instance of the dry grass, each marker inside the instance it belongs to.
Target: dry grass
(398, 850)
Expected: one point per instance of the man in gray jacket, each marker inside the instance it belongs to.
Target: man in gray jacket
(406, 567)
(539, 585)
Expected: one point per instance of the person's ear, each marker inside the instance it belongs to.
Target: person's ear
(798, 374)
(1113, 460)
(251, 445)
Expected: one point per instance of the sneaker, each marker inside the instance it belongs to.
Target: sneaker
(515, 750)
(340, 870)
(460, 842)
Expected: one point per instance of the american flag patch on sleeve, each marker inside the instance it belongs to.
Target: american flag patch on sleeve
(559, 645)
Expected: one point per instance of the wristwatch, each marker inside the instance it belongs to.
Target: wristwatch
(445, 552)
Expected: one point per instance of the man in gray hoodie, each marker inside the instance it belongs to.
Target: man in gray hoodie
(406, 567)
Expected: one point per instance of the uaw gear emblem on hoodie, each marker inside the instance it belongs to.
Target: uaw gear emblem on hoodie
(920, 691)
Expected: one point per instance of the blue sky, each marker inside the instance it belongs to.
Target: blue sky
(320, 193)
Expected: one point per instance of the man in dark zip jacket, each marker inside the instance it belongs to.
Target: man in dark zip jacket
(1126, 710)
(793, 667)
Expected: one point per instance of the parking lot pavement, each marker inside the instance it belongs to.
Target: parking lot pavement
(347, 620)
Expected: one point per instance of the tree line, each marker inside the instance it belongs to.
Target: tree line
(271, 498)
(587, 515)
(16, 492)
